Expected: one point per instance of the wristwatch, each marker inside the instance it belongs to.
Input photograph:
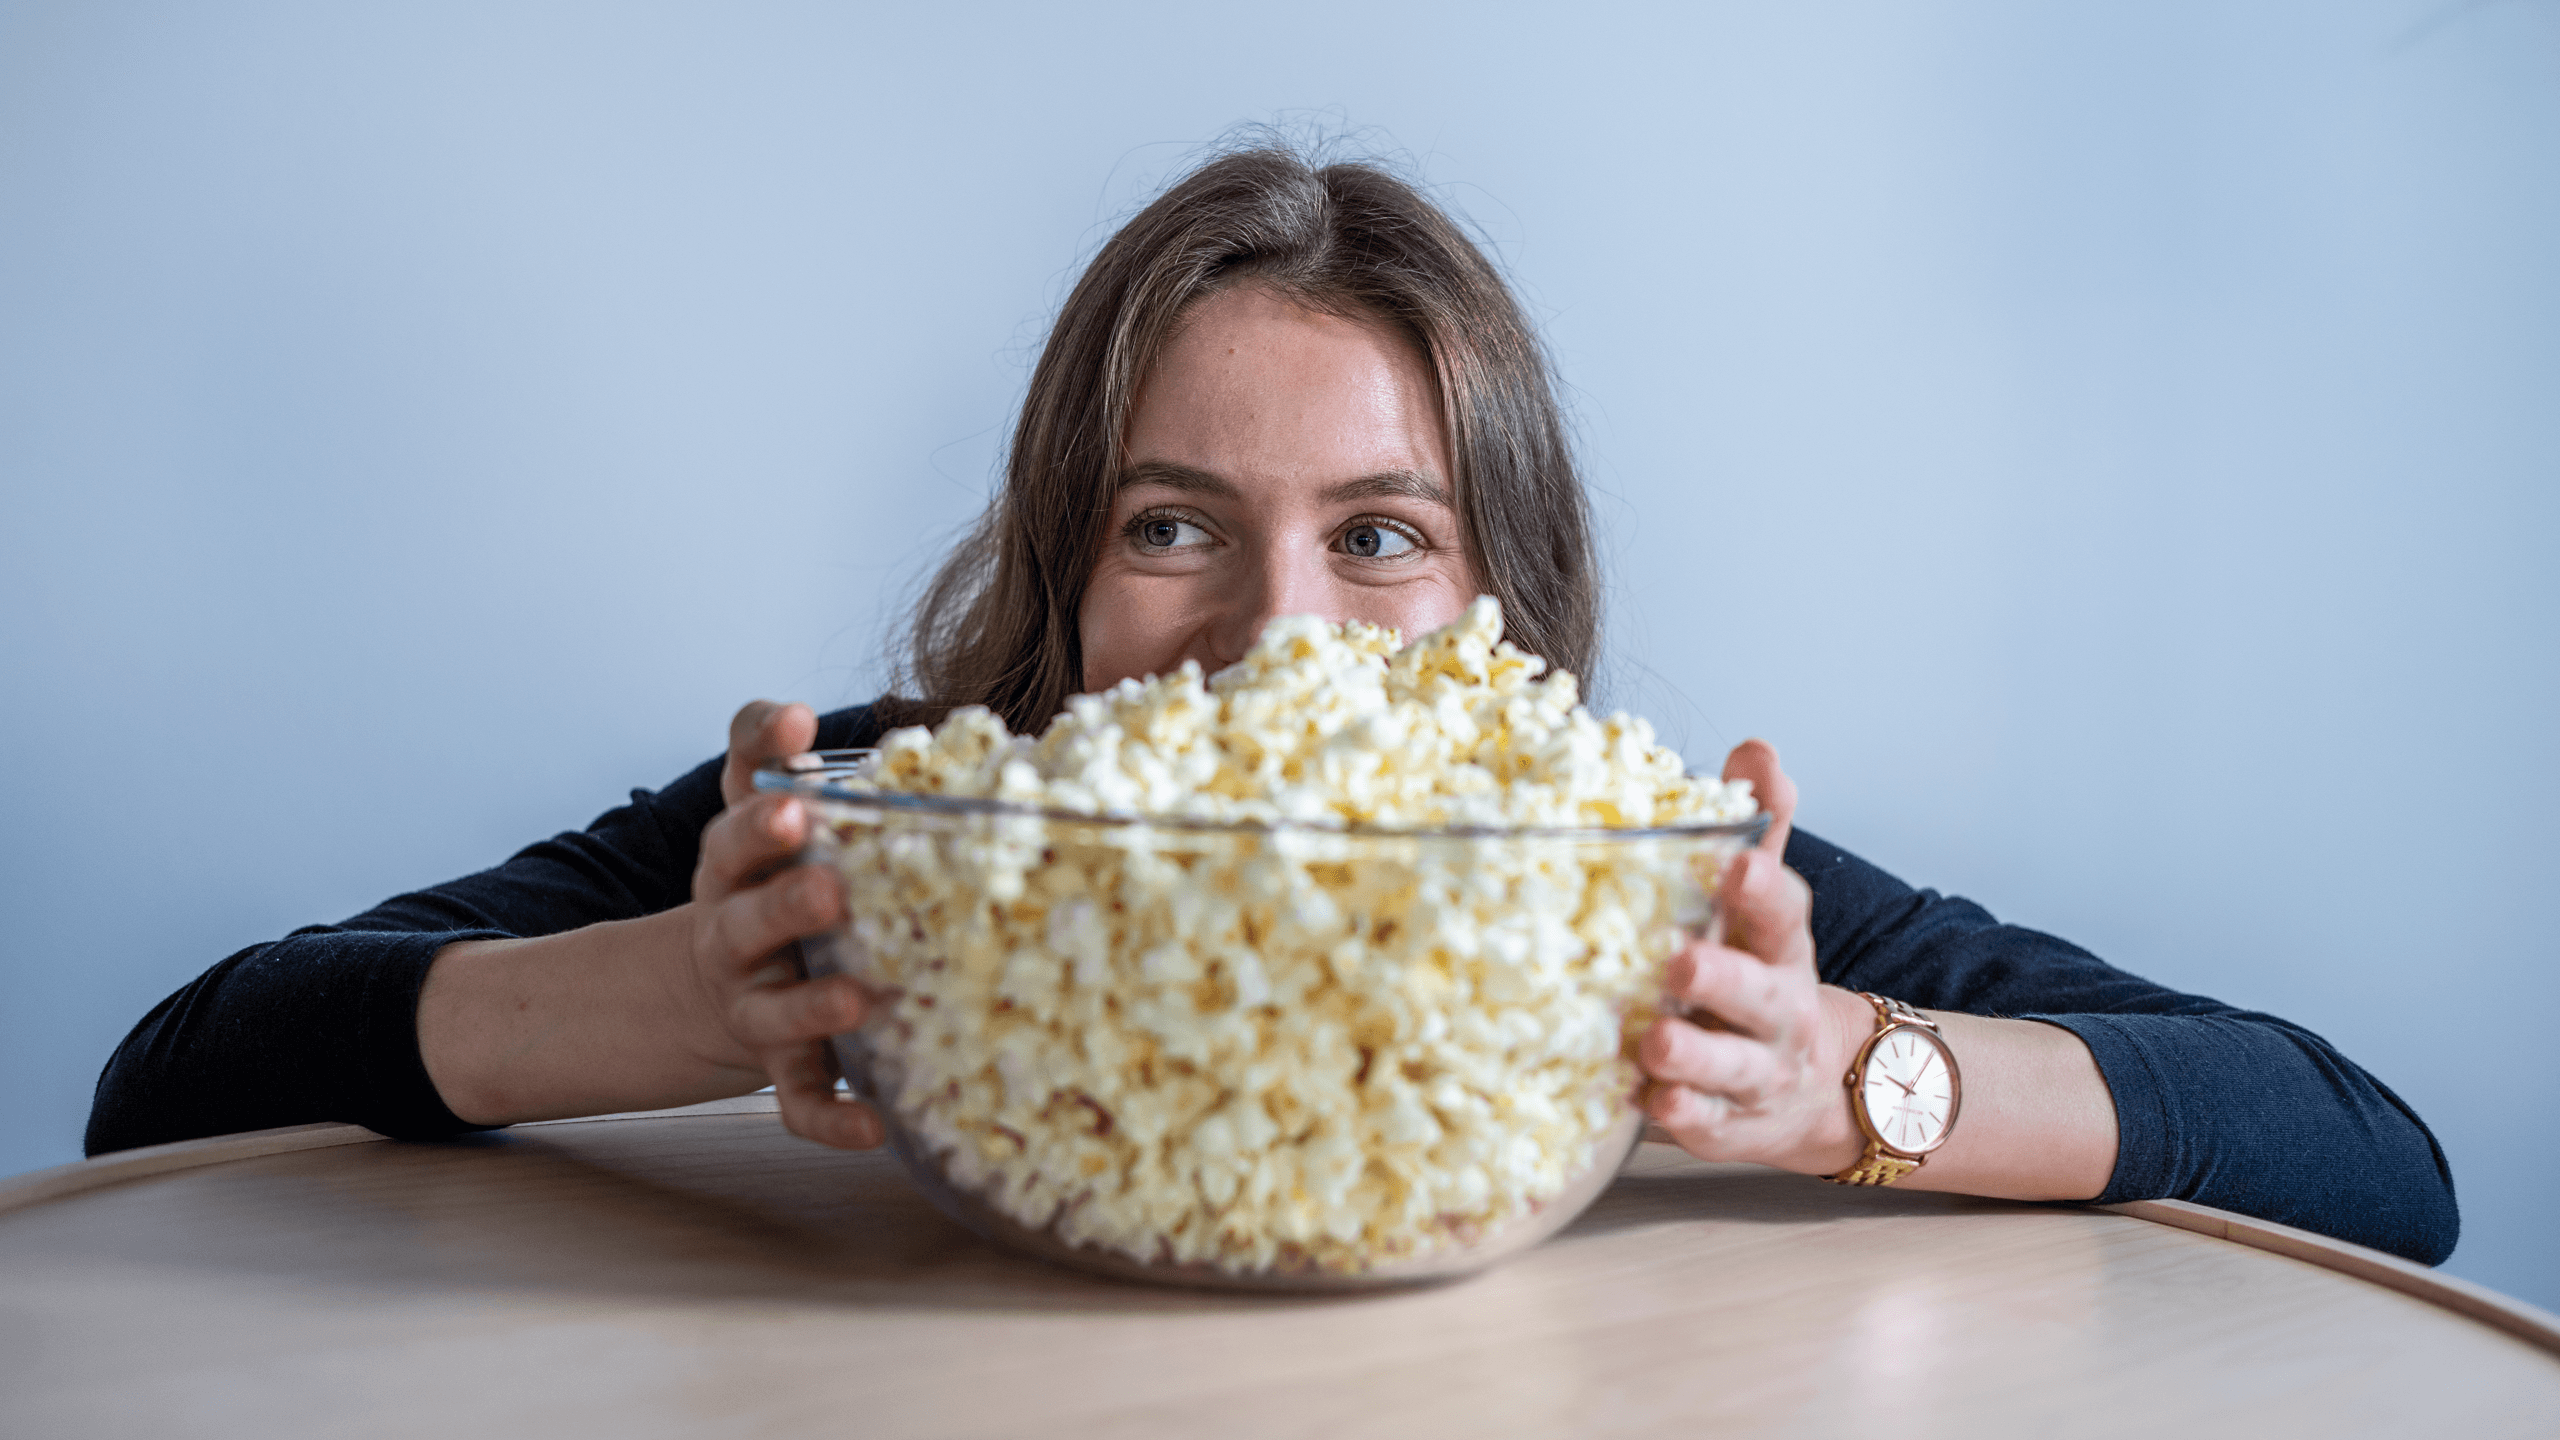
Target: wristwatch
(1904, 1092)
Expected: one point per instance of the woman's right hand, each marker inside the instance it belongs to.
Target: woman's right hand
(689, 1004)
(750, 904)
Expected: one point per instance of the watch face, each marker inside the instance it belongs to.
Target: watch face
(1910, 1091)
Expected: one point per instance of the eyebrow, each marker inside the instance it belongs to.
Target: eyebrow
(1177, 477)
(1383, 485)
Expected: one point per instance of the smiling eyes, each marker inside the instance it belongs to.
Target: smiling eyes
(1165, 533)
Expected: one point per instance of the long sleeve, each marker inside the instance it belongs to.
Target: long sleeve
(2221, 1106)
(322, 1024)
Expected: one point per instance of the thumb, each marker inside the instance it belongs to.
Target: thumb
(763, 731)
(1757, 762)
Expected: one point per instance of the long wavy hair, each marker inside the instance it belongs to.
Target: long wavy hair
(997, 623)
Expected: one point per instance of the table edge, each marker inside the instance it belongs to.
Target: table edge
(37, 1187)
(2521, 1319)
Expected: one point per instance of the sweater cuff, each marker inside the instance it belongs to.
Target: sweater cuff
(2143, 1162)
(395, 1094)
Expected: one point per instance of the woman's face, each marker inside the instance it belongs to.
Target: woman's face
(1280, 461)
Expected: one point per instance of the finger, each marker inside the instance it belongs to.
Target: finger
(1694, 1122)
(763, 730)
(754, 923)
(746, 746)
(746, 842)
(1757, 762)
(1711, 1062)
(804, 1084)
(1767, 909)
(1743, 992)
(772, 1017)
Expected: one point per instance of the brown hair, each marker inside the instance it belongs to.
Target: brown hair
(997, 624)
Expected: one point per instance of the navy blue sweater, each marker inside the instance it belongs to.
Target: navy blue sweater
(2225, 1107)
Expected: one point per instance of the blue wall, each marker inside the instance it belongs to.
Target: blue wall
(2111, 448)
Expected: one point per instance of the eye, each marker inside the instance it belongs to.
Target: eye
(1166, 532)
(1377, 542)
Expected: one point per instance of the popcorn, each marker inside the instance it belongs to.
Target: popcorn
(1286, 1021)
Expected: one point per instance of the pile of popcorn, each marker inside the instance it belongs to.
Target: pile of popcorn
(1301, 1041)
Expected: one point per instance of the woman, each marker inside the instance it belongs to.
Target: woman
(1279, 390)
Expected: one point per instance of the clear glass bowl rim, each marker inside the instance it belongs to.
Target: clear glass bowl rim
(817, 774)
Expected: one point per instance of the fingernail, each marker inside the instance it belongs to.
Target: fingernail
(786, 819)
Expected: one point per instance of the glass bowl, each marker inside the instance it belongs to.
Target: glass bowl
(1250, 1056)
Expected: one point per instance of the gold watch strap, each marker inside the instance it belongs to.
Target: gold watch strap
(1879, 1166)
(1891, 1012)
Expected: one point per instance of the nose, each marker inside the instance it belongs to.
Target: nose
(1280, 580)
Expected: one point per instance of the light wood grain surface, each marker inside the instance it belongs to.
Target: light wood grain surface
(708, 1274)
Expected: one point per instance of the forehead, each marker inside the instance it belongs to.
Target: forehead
(1261, 390)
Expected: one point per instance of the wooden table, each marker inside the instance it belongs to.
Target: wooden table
(703, 1273)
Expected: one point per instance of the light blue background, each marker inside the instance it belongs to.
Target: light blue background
(2110, 448)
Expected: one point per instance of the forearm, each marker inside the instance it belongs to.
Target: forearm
(2195, 1099)
(585, 1022)
(2036, 1123)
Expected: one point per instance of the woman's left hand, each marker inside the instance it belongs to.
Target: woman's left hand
(1754, 1073)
